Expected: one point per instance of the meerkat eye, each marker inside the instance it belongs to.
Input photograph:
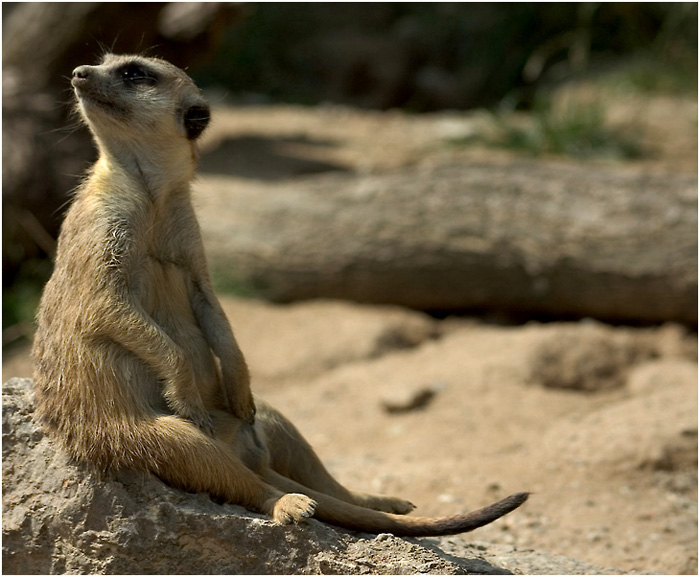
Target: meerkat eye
(137, 75)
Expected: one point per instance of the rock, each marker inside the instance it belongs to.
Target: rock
(59, 517)
(613, 435)
(63, 517)
(535, 238)
(588, 357)
(410, 398)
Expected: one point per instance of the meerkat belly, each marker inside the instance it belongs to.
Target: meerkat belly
(167, 299)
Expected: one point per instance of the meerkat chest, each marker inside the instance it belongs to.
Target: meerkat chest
(168, 282)
(167, 267)
(164, 289)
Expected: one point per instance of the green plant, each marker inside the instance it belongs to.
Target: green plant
(226, 281)
(21, 299)
(578, 130)
(575, 129)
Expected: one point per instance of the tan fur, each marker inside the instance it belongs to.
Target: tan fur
(136, 364)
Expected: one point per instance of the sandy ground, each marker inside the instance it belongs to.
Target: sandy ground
(613, 469)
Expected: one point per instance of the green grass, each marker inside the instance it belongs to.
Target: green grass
(225, 281)
(659, 76)
(21, 300)
(577, 130)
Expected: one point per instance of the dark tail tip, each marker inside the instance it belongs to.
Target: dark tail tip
(487, 515)
(465, 523)
(507, 505)
(518, 498)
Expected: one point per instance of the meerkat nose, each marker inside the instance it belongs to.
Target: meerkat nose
(81, 72)
(80, 76)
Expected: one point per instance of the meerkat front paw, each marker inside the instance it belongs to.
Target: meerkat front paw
(183, 398)
(193, 411)
(244, 409)
(237, 394)
(292, 508)
(202, 420)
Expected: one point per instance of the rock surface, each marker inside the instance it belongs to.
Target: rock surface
(60, 517)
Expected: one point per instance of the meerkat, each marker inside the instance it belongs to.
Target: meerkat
(136, 365)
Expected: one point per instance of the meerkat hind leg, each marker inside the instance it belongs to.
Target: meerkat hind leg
(293, 457)
(187, 458)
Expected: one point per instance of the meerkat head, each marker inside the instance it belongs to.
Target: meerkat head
(139, 99)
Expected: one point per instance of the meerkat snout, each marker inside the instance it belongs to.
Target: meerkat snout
(80, 76)
(81, 72)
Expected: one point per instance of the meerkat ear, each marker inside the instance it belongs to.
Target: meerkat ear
(196, 119)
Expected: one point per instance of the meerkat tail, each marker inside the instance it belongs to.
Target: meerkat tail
(358, 518)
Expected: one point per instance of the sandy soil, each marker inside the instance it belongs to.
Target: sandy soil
(612, 469)
(600, 423)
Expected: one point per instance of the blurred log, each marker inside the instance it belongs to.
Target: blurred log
(43, 42)
(524, 239)
(42, 155)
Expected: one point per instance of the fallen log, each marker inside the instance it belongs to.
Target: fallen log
(524, 238)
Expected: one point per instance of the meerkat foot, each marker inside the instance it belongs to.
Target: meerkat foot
(292, 508)
(385, 504)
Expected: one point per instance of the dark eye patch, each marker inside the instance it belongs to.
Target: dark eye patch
(136, 75)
